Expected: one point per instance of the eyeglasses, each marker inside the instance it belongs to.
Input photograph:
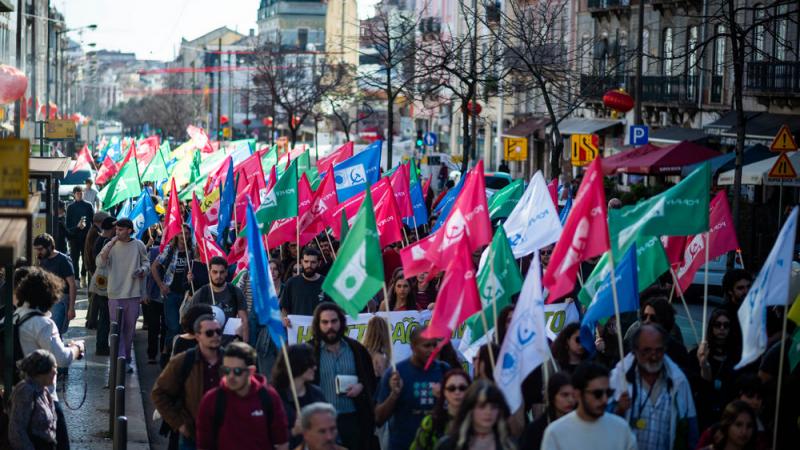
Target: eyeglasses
(460, 388)
(725, 325)
(600, 393)
(211, 333)
(238, 371)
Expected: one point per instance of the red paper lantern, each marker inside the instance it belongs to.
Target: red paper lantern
(267, 121)
(247, 122)
(223, 120)
(295, 121)
(13, 84)
(618, 100)
(474, 109)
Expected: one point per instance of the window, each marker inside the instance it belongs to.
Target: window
(758, 20)
(302, 38)
(645, 51)
(719, 51)
(691, 51)
(667, 52)
(781, 32)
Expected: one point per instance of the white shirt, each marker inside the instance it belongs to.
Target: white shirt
(571, 432)
(91, 196)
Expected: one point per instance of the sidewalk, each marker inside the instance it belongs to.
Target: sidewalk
(88, 425)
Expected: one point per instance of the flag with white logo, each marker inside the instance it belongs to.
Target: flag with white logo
(143, 215)
(354, 174)
(534, 222)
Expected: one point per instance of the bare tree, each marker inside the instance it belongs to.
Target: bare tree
(393, 50)
(542, 60)
(291, 83)
(346, 104)
(459, 63)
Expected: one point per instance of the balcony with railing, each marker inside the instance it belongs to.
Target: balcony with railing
(593, 87)
(603, 7)
(773, 79)
(678, 89)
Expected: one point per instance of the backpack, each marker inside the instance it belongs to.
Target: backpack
(17, 354)
(219, 411)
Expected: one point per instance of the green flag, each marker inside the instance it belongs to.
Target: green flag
(498, 280)
(281, 201)
(794, 350)
(269, 159)
(357, 272)
(345, 228)
(414, 173)
(156, 170)
(651, 262)
(681, 210)
(194, 171)
(504, 200)
(303, 163)
(125, 185)
(391, 171)
(313, 177)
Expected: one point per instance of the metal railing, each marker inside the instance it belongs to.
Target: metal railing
(607, 4)
(681, 89)
(777, 77)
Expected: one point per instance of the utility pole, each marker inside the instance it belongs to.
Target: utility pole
(637, 90)
(219, 89)
(46, 77)
(18, 103)
(473, 88)
(231, 112)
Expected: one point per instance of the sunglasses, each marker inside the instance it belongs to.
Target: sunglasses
(725, 325)
(238, 371)
(211, 333)
(460, 388)
(600, 393)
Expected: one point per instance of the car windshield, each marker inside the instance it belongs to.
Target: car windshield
(494, 182)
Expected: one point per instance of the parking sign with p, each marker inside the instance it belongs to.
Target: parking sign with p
(638, 135)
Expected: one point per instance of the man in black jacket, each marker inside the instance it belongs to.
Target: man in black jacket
(79, 219)
(340, 357)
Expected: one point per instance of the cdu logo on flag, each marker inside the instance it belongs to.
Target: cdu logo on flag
(350, 176)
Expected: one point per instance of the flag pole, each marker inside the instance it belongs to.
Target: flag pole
(405, 242)
(416, 228)
(333, 250)
(297, 222)
(316, 239)
(685, 305)
(291, 377)
(494, 303)
(208, 268)
(780, 377)
(705, 290)
(388, 325)
(189, 263)
(617, 316)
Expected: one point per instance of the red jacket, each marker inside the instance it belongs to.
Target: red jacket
(244, 420)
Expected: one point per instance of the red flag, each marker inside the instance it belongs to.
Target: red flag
(146, 149)
(468, 220)
(199, 224)
(107, 170)
(208, 248)
(351, 205)
(413, 258)
(173, 223)
(324, 200)
(212, 213)
(400, 185)
(249, 169)
(338, 155)
(673, 247)
(721, 235)
(238, 251)
(388, 218)
(426, 185)
(217, 176)
(130, 154)
(199, 139)
(585, 234)
(84, 158)
(553, 189)
(253, 191)
(285, 230)
(458, 295)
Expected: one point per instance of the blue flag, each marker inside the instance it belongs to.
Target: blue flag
(418, 204)
(602, 305)
(125, 210)
(265, 300)
(226, 204)
(143, 215)
(353, 174)
(447, 202)
(562, 215)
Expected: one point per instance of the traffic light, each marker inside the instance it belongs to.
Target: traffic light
(420, 142)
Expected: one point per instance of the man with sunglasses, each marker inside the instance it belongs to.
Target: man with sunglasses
(655, 397)
(244, 412)
(405, 395)
(187, 377)
(589, 426)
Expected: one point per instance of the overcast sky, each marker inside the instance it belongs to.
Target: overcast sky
(153, 28)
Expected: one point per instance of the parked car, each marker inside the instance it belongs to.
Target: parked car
(73, 179)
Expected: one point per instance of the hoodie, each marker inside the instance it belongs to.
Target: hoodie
(244, 420)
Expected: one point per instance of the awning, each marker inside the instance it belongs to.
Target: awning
(614, 162)
(756, 173)
(760, 126)
(528, 127)
(579, 125)
(673, 135)
(723, 163)
(663, 161)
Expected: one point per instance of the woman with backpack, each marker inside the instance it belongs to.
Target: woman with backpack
(32, 422)
(37, 292)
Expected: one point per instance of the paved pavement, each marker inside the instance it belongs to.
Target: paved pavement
(88, 424)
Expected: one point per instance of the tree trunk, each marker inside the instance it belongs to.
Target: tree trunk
(465, 141)
(389, 133)
(738, 106)
(555, 141)
(293, 134)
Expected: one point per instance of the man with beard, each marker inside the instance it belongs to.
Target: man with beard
(346, 376)
(302, 293)
(59, 264)
(589, 425)
(658, 402)
(406, 393)
(219, 292)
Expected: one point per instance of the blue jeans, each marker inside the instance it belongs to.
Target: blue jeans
(59, 315)
(185, 443)
(172, 319)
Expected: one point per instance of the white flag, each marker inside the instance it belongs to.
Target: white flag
(534, 222)
(771, 287)
(525, 345)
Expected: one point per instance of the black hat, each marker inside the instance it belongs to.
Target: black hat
(108, 223)
(127, 223)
